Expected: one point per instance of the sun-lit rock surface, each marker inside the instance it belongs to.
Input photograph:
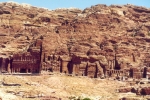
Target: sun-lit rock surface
(100, 33)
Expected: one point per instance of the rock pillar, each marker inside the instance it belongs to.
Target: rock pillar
(64, 66)
(75, 69)
(8, 68)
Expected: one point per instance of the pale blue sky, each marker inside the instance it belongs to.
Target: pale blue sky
(53, 4)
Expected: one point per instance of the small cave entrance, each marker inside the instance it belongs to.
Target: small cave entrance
(29, 71)
(117, 66)
(49, 58)
(23, 70)
(65, 72)
(36, 71)
(50, 69)
(70, 67)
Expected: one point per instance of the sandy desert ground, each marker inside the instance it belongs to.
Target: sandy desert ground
(60, 87)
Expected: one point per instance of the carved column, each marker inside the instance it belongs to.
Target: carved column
(108, 63)
(74, 69)
(17, 70)
(26, 70)
(112, 64)
(8, 68)
(13, 70)
(1, 62)
(79, 71)
(64, 65)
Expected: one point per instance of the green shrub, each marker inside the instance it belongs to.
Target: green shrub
(78, 98)
(86, 99)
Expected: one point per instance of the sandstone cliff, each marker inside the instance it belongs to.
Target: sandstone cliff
(113, 32)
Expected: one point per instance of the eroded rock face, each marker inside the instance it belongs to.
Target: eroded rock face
(145, 91)
(125, 90)
(115, 36)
